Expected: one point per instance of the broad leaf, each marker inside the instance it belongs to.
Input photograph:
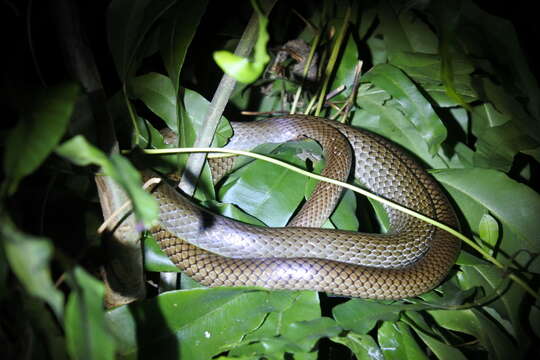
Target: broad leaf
(29, 257)
(418, 110)
(127, 24)
(44, 117)
(474, 323)
(386, 119)
(87, 334)
(177, 33)
(191, 324)
(397, 342)
(271, 199)
(515, 205)
(361, 316)
(363, 346)
(82, 153)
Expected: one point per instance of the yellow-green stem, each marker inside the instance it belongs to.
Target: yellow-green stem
(132, 116)
(332, 60)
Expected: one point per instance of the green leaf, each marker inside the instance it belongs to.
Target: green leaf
(419, 34)
(272, 198)
(442, 350)
(465, 258)
(154, 258)
(345, 72)
(376, 44)
(426, 68)
(488, 230)
(498, 138)
(158, 93)
(238, 67)
(516, 206)
(361, 316)
(303, 306)
(509, 307)
(144, 205)
(363, 346)
(397, 342)
(45, 326)
(177, 33)
(416, 107)
(448, 294)
(306, 333)
(474, 323)
(191, 324)
(243, 69)
(82, 153)
(87, 335)
(344, 216)
(479, 37)
(29, 257)
(430, 72)
(128, 22)
(297, 338)
(395, 39)
(534, 319)
(385, 118)
(44, 117)
(511, 107)
(196, 107)
(535, 153)
(151, 138)
(447, 18)
(438, 93)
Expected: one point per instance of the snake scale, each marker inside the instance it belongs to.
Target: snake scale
(408, 260)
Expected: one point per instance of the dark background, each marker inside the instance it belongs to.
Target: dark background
(39, 27)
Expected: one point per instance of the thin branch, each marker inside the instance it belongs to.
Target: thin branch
(332, 61)
(123, 273)
(224, 90)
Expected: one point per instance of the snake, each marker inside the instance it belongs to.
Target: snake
(410, 258)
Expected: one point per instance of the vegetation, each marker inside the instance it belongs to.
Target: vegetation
(445, 80)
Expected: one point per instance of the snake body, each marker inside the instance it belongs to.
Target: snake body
(410, 259)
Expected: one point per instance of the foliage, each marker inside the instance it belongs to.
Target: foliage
(445, 80)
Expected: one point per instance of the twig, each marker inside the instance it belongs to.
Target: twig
(122, 210)
(223, 92)
(306, 69)
(333, 59)
(335, 92)
(352, 97)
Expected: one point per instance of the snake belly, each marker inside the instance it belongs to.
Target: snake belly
(408, 260)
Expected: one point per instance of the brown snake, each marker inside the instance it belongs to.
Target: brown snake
(410, 259)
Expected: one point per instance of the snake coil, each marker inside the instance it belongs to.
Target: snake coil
(410, 259)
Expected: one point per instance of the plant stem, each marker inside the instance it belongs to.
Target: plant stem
(332, 61)
(223, 92)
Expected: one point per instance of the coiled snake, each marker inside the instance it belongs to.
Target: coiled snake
(410, 259)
